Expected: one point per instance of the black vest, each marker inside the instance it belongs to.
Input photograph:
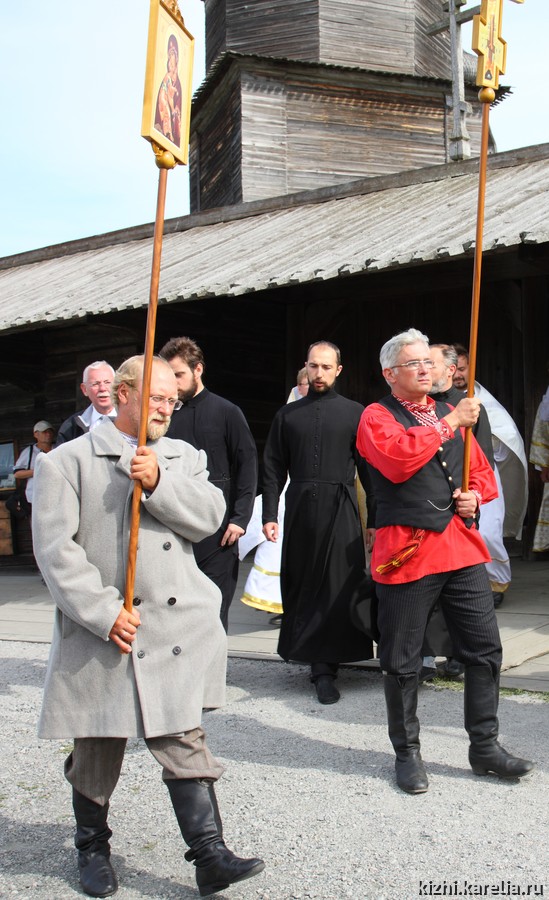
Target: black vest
(425, 499)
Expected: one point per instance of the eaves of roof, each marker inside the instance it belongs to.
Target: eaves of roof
(224, 61)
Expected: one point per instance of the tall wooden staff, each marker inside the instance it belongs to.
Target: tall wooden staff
(492, 55)
(166, 124)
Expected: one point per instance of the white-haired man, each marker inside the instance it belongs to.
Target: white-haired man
(97, 380)
(428, 550)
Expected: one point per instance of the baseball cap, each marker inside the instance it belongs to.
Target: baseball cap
(43, 425)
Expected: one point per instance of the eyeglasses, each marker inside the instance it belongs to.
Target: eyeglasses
(166, 401)
(415, 364)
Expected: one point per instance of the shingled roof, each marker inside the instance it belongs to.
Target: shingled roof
(370, 225)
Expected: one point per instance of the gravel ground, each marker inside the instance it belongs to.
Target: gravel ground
(308, 788)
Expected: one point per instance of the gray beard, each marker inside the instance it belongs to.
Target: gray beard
(438, 387)
(154, 432)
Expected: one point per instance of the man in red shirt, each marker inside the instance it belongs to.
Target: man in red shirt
(427, 550)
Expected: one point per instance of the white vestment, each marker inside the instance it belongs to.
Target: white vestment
(504, 516)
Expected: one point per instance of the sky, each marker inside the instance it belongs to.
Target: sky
(72, 158)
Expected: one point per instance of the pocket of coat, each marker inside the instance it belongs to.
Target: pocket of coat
(67, 626)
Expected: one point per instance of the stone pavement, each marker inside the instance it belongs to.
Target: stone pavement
(26, 614)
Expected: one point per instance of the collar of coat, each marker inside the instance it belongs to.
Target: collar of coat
(107, 440)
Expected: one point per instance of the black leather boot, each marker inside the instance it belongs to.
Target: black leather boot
(481, 697)
(97, 876)
(401, 699)
(197, 814)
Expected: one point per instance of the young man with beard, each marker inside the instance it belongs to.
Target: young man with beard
(115, 674)
(211, 423)
(322, 570)
(428, 550)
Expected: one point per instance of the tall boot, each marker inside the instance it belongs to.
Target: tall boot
(481, 697)
(197, 814)
(401, 699)
(97, 876)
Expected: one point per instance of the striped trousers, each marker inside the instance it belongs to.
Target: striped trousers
(466, 599)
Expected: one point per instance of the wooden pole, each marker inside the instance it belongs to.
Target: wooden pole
(492, 54)
(164, 161)
(486, 97)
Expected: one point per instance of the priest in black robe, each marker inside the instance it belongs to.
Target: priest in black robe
(213, 424)
(313, 441)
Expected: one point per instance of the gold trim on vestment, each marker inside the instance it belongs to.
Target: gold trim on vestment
(266, 571)
(498, 587)
(270, 606)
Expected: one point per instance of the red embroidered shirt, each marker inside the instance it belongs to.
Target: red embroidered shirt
(398, 454)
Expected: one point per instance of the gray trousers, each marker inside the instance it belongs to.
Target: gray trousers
(94, 765)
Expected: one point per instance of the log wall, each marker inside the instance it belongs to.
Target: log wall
(379, 35)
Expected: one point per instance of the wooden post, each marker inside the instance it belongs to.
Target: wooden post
(486, 96)
(492, 54)
(164, 161)
(167, 33)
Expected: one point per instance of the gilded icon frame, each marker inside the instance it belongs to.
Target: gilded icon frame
(168, 80)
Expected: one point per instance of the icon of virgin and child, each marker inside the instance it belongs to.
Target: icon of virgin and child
(167, 117)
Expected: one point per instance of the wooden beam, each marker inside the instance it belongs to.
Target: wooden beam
(444, 24)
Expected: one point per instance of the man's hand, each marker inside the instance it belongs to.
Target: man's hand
(270, 530)
(231, 535)
(144, 468)
(466, 413)
(124, 629)
(369, 538)
(466, 503)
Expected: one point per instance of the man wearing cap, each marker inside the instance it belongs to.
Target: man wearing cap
(96, 384)
(44, 433)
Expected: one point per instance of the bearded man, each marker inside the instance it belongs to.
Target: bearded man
(115, 674)
(212, 423)
(313, 441)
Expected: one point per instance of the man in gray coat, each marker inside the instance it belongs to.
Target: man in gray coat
(112, 673)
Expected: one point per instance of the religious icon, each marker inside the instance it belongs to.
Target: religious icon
(168, 80)
(167, 117)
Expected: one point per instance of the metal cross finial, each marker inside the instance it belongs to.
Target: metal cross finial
(488, 44)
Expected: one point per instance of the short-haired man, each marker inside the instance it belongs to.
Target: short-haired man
(322, 570)
(428, 550)
(211, 423)
(96, 385)
(115, 674)
(505, 515)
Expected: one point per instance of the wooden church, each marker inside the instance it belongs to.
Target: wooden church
(300, 94)
(334, 176)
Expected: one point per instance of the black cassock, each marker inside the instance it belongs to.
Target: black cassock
(216, 425)
(322, 570)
